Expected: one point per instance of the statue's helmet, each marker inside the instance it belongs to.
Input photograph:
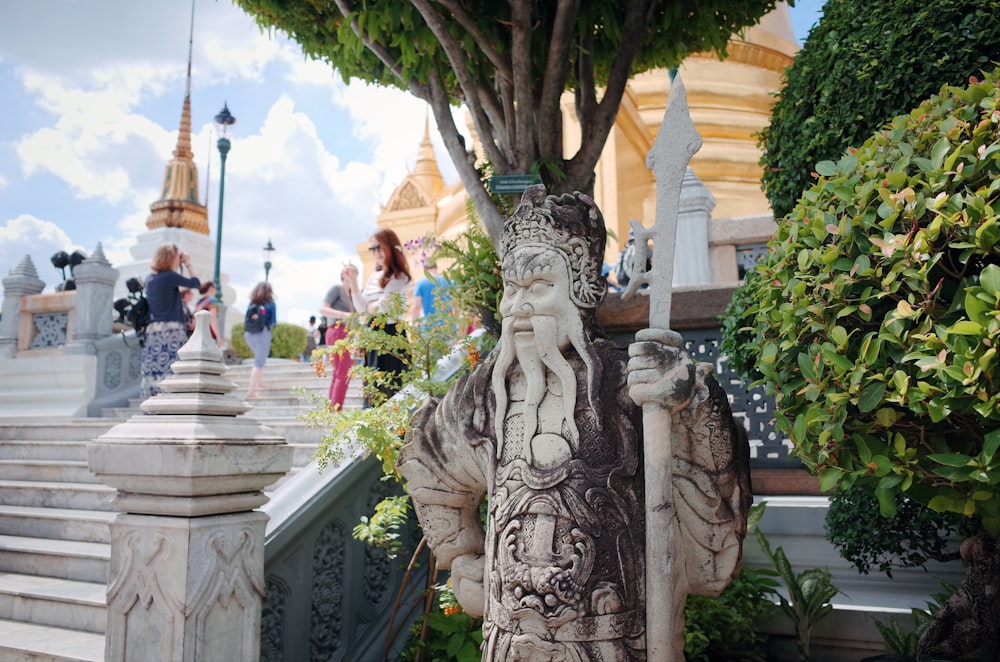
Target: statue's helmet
(572, 226)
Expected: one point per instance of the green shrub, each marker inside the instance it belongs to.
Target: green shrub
(288, 341)
(863, 64)
(876, 315)
(909, 539)
(724, 629)
(238, 344)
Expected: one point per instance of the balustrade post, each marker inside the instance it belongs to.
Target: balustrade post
(93, 309)
(23, 281)
(186, 580)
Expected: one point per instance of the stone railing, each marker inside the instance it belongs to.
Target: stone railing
(695, 313)
(329, 596)
(59, 355)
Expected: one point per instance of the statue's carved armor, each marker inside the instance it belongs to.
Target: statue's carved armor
(565, 532)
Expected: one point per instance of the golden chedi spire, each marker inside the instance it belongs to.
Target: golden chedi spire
(179, 206)
(426, 172)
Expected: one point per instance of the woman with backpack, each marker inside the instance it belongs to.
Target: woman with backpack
(260, 318)
(166, 332)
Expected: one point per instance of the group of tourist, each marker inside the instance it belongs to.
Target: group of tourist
(171, 319)
(391, 278)
(169, 292)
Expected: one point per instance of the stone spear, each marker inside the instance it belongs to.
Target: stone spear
(675, 144)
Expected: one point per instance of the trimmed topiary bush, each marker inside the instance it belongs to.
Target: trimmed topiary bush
(238, 344)
(875, 321)
(863, 64)
(288, 341)
(876, 315)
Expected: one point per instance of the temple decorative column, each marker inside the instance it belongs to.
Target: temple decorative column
(22, 281)
(92, 312)
(187, 552)
(692, 264)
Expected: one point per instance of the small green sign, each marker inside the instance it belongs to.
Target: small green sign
(513, 183)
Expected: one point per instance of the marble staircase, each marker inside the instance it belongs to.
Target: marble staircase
(54, 514)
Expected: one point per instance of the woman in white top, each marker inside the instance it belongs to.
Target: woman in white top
(392, 276)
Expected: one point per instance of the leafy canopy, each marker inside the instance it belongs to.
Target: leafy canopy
(509, 62)
(863, 64)
(876, 316)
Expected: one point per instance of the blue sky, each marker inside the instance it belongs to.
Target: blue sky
(92, 94)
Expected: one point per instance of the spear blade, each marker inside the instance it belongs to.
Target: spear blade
(676, 142)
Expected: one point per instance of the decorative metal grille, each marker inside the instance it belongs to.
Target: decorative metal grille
(747, 255)
(50, 329)
(751, 407)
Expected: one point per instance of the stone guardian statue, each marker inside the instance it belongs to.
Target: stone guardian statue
(548, 429)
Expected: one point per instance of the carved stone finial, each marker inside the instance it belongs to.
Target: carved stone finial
(194, 454)
(25, 268)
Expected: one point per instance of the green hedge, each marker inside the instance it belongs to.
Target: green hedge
(288, 341)
(863, 64)
(875, 318)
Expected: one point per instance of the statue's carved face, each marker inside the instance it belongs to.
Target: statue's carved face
(536, 284)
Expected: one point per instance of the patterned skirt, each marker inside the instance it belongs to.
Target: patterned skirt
(163, 339)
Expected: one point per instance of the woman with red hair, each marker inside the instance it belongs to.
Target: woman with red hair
(390, 279)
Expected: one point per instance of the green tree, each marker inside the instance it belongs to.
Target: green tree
(509, 62)
(875, 323)
(863, 64)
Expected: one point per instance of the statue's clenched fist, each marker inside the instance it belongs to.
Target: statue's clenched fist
(658, 370)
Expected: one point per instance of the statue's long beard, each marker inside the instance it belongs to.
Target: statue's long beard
(534, 358)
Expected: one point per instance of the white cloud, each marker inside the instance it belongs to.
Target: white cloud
(306, 71)
(105, 81)
(29, 236)
(94, 139)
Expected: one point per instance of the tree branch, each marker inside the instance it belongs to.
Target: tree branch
(484, 42)
(480, 101)
(554, 81)
(453, 142)
(525, 146)
(595, 132)
(380, 51)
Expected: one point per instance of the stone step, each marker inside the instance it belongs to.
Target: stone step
(26, 450)
(54, 601)
(84, 496)
(67, 559)
(27, 642)
(56, 523)
(75, 429)
(63, 471)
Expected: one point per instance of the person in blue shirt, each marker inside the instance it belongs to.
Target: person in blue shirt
(428, 293)
(259, 342)
(166, 332)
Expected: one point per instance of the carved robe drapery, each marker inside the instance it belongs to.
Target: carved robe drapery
(564, 567)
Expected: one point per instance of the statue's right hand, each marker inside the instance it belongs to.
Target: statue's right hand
(659, 371)
(467, 578)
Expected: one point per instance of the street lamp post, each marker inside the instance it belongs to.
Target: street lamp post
(268, 249)
(223, 124)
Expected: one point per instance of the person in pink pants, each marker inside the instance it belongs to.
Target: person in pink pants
(335, 307)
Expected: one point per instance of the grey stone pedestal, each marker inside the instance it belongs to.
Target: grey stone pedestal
(187, 553)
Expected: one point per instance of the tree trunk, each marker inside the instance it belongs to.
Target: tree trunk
(970, 619)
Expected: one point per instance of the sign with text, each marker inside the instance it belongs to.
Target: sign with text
(513, 183)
